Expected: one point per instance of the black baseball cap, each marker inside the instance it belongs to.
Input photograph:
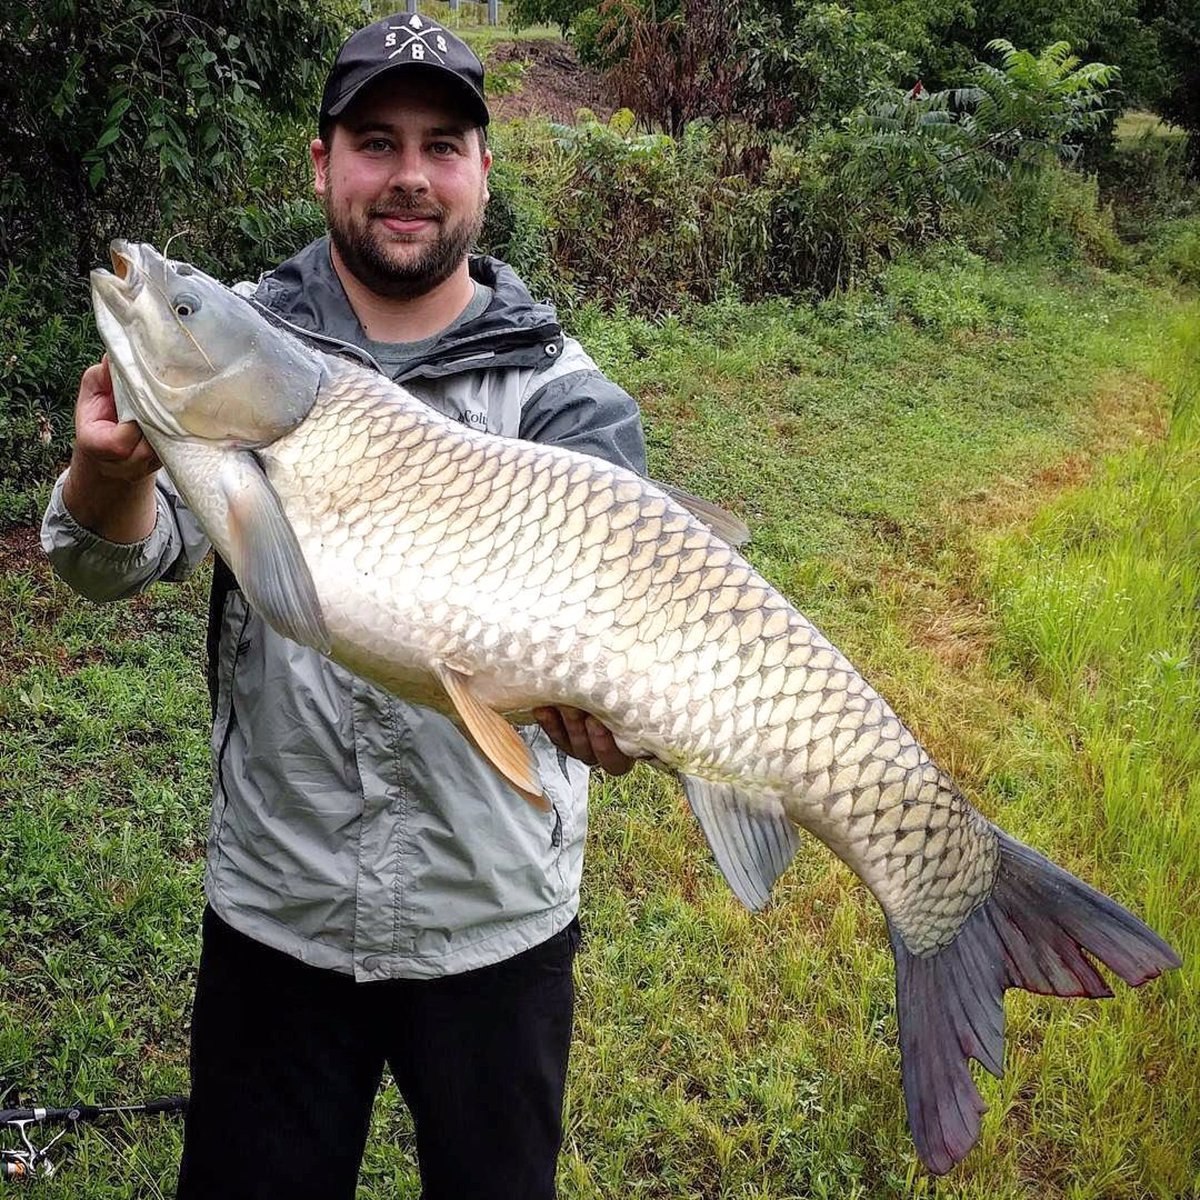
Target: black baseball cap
(407, 41)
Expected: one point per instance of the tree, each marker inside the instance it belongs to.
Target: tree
(123, 115)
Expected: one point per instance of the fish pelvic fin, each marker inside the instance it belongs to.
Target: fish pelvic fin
(752, 840)
(495, 738)
(723, 523)
(1034, 931)
(265, 556)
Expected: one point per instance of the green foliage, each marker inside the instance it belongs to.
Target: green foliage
(37, 344)
(771, 64)
(1173, 80)
(562, 13)
(137, 119)
(810, 64)
(122, 112)
(1174, 249)
(527, 184)
(646, 220)
(917, 28)
(1033, 105)
(1147, 175)
(638, 217)
(1013, 120)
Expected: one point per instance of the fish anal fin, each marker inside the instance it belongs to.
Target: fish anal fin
(265, 555)
(496, 739)
(752, 839)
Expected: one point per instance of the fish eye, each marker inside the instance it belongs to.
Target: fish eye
(185, 304)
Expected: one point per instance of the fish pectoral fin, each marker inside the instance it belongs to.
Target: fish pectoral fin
(497, 740)
(723, 523)
(752, 840)
(266, 557)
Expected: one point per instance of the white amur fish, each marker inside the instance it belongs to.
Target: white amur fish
(485, 577)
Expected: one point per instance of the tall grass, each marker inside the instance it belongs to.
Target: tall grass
(1098, 605)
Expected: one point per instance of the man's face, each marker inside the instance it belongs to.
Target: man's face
(404, 185)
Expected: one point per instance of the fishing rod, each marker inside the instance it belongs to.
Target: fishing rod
(31, 1160)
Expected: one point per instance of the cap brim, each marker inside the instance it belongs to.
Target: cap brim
(473, 102)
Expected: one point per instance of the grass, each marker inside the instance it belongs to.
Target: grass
(966, 478)
(1140, 124)
(470, 22)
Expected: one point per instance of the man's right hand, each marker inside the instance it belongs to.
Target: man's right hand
(109, 487)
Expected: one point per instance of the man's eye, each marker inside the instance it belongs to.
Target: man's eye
(444, 148)
(376, 145)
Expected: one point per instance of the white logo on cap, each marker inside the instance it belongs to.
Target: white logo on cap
(417, 43)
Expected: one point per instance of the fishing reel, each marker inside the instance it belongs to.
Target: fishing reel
(29, 1161)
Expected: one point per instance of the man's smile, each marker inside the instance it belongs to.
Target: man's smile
(406, 224)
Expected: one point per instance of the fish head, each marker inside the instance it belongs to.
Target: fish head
(193, 360)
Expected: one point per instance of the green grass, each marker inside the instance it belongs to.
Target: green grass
(963, 476)
(1140, 124)
(471, 24)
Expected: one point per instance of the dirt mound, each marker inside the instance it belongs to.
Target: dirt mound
(554, 85)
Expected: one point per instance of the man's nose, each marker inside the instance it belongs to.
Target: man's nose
(408, 172)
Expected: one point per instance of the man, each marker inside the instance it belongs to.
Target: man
(375, 893)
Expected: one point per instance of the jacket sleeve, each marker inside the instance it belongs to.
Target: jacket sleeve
(574, 404)
(102, 570)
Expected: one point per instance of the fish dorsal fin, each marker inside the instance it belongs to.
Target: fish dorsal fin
(497, 740)
(265, 556)
(752, 840)
(724, 524)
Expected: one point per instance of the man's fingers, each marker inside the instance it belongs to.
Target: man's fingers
(565, 727)
(583, 737)
(604, 747)
(575, 724)
(121, 439)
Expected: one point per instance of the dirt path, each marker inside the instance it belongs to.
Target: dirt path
(554, 85)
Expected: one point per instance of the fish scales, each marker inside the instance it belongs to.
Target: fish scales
(485, 577)
(465, 532)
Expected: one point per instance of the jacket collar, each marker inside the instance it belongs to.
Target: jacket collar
(513, 330)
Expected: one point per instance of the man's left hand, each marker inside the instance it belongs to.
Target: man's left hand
(580, 735)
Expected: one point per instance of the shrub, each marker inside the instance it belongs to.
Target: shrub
(527, 186)
(1176, 249)
(1147, 176)
(43, 355)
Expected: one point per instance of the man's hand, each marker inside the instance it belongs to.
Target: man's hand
(114, 449)
(583, 737)
(109, 487)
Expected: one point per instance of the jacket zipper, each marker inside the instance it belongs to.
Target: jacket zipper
(239, 649)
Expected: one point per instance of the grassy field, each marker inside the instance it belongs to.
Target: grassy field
(984, 483)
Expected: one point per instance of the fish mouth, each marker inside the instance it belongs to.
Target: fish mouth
(120, 286)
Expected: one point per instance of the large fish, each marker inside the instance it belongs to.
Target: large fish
(485, 577)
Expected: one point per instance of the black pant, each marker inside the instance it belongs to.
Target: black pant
(287, 1058)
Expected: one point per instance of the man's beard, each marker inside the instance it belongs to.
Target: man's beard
(364, 250)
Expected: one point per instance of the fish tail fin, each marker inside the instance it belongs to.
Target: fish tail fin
(1035, 932)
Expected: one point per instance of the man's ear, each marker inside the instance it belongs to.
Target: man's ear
(319, 153)
(487, 166)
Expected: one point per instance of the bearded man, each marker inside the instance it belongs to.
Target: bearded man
(376, 894)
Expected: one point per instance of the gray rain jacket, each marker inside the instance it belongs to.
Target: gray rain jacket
(349, 829)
